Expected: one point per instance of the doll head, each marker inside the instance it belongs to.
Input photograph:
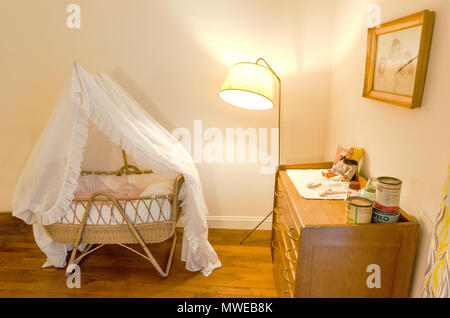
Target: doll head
(355, 154)
(350, 153)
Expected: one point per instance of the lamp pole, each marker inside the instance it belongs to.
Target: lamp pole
(279, 145)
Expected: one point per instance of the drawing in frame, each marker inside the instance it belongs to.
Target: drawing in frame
(397, 59)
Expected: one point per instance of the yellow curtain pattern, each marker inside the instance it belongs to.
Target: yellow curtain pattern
(437, 274)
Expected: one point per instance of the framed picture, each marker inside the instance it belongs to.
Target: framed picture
(397, 59)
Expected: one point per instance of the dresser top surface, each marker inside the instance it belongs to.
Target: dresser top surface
(321, 212)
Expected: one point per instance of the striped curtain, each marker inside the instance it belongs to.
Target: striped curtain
(437, 274)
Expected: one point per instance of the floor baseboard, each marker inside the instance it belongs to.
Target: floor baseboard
(238, 222)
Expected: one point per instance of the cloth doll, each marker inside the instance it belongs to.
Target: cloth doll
(347, 167)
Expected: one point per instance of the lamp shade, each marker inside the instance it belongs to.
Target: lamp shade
(249, 85)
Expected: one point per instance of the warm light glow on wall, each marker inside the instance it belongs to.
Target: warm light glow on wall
(235, 31)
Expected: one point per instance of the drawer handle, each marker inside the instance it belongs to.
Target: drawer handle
(293, 237)
(285, 277)
(274, 245)
(279, 194)
(278, 210)
(286, 292)
(286, 254)
(274, 226)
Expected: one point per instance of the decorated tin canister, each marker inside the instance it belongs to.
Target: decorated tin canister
(388, 194)
(380, 216)
(358, 210)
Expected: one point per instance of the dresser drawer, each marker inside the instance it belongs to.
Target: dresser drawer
(292, 229)
(284, 288)
(283, 273)
(288, 252)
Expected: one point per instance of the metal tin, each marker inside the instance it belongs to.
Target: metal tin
(380, 216)
(358, 210)
(388, 194)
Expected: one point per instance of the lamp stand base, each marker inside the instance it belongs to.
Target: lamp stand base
(256, 227)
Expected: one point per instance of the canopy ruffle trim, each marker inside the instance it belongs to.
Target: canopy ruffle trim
(73, 170)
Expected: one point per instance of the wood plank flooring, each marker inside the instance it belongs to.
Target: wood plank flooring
(113, 271)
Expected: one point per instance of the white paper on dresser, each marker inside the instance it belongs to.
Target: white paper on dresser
(301, 178)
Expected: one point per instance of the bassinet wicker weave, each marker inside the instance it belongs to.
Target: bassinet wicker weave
(121, 228)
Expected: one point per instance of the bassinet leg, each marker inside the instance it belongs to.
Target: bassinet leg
(74, 260)
(171, 253)
(79, 236)
(71, 261)
(152, 259)
(169, 259)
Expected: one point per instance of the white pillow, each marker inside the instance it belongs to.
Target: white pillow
(125, 185)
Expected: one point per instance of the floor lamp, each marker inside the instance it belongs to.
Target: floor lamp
(251, 86)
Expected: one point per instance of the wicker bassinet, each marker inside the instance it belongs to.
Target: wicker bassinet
(127, 230)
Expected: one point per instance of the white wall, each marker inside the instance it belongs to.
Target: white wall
(172, 56)
(413, 145)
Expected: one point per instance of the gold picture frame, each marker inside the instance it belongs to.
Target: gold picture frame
(397, 59)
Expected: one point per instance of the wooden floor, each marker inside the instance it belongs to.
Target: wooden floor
(113, 271)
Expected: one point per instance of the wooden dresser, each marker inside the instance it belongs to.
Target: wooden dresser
(316, 254)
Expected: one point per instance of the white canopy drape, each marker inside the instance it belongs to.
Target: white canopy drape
(47, 184)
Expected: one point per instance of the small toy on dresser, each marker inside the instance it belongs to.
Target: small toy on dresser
(340, 179)
(347, 167)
